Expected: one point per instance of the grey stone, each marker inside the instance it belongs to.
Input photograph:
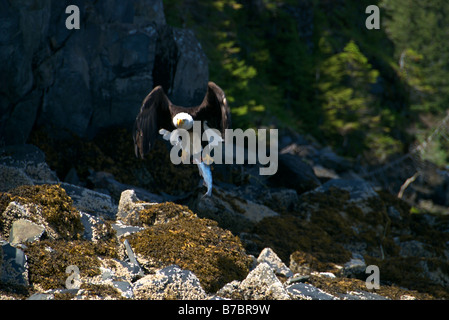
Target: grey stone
(125, 230)
(106, 181)
(359, 190)
(169, 283)
(129, 207)
(305, 291)
(324, 173)
(12, 178)
(23, 230)
(192, 70)
(131, 255)
(149, 11)
(41, 296)
(125, 288)
(329, 159)
(354, 267)
(277, 199)
(133, 270)
(50, 294)
(13, 269)
(262, 284)
(24, 27)
(268, 256)
(28, 162)
(20, 122)
(95, 228)
(248, 209)
(92, 202)
(294, 173)
(394, 213)
(362, 295)
(13, 211)
(106, 67)
(231, 210)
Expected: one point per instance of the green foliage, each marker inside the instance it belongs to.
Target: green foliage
(347, 105)
(340, 82)
(419, 32)
(436, 151)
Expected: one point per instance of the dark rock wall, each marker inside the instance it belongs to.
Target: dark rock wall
(80, 81)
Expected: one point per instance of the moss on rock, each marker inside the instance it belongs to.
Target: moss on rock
(287, 234)
(48, 260)
(161, 212)
(215, 255)
(343, 286)
(56, 208)
(99, 291)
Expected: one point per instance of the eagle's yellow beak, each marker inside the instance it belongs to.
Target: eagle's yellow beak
(180, 122)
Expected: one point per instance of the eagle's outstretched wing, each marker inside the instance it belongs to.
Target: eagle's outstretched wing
(157, 112)
(214, 109)
(154, 114)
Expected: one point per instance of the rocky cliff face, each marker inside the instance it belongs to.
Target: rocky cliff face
(82, 80)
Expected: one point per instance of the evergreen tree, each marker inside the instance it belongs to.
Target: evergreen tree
(420, 30)
(347, 105)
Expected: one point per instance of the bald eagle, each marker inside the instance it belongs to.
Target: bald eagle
(158, 115)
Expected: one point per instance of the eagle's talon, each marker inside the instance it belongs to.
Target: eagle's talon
(208, 160)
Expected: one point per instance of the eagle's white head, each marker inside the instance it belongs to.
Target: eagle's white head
(183, 120)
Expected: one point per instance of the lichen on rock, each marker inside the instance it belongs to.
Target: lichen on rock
(215, 255)
(44, 203)
(48, 260)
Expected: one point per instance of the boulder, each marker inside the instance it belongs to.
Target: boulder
(262, 284)
(359, 190)
(105, 182)
(12, 178)
(129, 207)
(305, 291)
(27, 162)
(269, 257)
(355, 267)
(13, 266)
(215, 255)
(95, 228)
(231, 209)
(169, 283)
(89, 201)
(23, 231)
(295, 174)
(106, 67)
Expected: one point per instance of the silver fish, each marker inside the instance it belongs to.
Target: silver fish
(206, 173)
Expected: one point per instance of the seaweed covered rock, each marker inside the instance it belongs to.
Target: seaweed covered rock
(48, 261)
(46, 205)
(135, 212)
(343, 227)
(215, 255)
